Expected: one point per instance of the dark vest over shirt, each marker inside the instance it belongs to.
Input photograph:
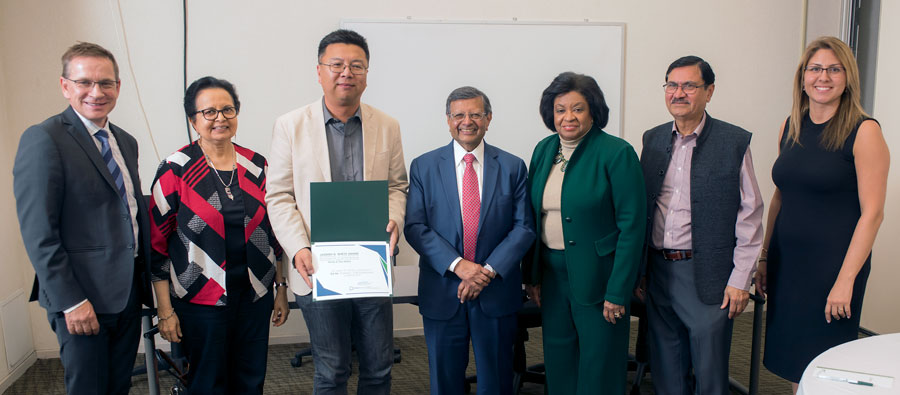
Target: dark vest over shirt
(715, 196)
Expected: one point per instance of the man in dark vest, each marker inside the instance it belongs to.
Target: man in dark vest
(704, 232)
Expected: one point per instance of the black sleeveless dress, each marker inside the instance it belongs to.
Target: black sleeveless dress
(819, 212)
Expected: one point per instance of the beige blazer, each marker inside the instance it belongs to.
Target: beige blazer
(299, 156)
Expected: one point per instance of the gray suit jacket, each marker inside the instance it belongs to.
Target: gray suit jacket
(74, 226)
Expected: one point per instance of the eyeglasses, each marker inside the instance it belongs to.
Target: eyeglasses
(687, 87)
(830, 70)
(210, 114)
(337, 68)
(475, 116)
(89, 84)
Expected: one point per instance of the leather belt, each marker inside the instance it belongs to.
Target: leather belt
(675, 255)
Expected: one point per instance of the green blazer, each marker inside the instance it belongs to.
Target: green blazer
(604, 216)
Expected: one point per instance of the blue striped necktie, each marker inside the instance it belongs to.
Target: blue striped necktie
(111, 164)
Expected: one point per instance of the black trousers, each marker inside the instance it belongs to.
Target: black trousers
(226, 346)
(102, 363)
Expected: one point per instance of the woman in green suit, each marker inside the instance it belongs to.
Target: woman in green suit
(587, 189)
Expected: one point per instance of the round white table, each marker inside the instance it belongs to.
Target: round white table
(873, 360)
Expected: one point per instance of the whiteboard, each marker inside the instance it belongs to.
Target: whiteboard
(414, 65)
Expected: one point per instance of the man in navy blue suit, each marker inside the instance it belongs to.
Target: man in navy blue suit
(468, 217)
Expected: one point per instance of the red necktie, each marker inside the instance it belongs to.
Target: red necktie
(471, 209)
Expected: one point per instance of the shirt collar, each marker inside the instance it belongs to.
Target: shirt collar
(329, 117)
(459, 152)
(696, 131)
(91, 127)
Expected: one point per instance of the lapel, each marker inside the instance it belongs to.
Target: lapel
(371, 136)
(490, 172)
(447, 170)
(542, 172)
(317, 140)
(79, 133)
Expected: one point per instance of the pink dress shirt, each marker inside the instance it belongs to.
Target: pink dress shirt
(672, 222)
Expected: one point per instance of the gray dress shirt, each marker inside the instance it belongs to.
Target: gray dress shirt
(345, 146)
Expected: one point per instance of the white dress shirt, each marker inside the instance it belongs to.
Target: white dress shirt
(458, 153)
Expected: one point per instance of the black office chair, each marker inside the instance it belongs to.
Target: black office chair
(639, 362)
(156, 360)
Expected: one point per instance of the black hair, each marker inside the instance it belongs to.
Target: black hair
(343, 36)
(190, 95)
(706, 71)
(572, 82)
(468, 92)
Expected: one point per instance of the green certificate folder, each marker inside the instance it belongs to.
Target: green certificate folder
(348, 211)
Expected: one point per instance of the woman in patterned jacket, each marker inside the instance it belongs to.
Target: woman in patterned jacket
(215, 258)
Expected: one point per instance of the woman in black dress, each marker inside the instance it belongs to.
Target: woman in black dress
(831, 179)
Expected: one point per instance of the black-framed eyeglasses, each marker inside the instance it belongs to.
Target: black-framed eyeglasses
(337, 68)
(89, 84)
(475, 116)
(687, 87)
(210, 114)
(832, 70)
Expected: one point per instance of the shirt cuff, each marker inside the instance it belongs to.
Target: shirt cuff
(488, 267)
(453, 265)
(741, 279)
(71, 309)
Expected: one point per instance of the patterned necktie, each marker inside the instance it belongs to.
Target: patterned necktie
(111, 164)
(471, 209)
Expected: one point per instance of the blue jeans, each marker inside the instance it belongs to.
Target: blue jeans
(337, 325)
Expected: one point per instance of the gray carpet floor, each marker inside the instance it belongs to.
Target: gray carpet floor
(410, 375)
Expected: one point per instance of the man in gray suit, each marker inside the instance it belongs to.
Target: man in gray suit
(84, 222)
(704, 233)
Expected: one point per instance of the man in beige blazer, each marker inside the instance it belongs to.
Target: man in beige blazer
(337, 138)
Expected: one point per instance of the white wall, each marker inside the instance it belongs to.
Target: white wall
(268, 50)
(13, 276)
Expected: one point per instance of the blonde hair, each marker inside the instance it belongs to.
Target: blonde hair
(849, 110)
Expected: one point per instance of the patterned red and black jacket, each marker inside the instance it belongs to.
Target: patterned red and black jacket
(188, 229)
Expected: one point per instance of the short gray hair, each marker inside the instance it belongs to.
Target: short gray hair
(468, 92)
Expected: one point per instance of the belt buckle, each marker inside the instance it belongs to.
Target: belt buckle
(665, 255)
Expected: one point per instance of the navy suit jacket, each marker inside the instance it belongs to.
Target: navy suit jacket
(434, 230)
(73, 222)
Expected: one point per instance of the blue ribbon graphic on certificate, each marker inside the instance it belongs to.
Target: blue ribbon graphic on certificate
(351, 270)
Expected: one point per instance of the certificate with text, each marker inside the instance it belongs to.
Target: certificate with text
(352, 269)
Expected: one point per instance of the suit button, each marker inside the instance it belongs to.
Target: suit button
(661, 172)
(568, 219)
(571, 242)
(131, 246)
